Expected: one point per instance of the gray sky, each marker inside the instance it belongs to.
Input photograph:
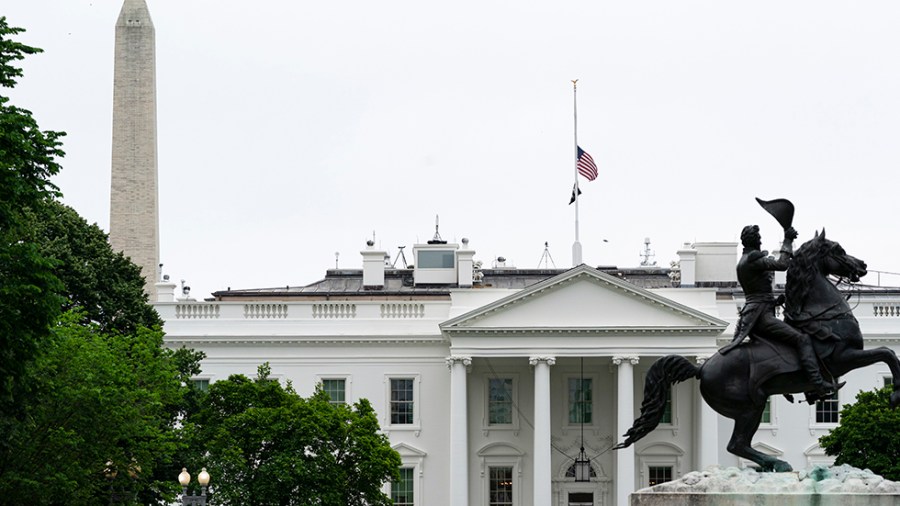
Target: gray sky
(289, 131)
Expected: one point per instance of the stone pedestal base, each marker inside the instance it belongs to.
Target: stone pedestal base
(819, 486)
(675, 499)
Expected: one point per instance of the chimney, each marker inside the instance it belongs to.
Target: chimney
(687, 258)
(464, 264)
(373, 267)
(165, 290)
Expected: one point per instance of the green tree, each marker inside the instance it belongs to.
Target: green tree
(28, 300)
(106, 285)
(90, 401)
(265, 445)
(867, 435)
(98, 421)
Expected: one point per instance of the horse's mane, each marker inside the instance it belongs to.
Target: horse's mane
(802, 272)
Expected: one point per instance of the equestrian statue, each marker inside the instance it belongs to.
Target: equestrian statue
(817, 342)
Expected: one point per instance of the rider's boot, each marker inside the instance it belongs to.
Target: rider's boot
(809, 363)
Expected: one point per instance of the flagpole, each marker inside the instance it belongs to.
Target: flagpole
(576, 247)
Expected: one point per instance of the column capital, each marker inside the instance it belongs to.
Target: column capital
(457, 359)
(534, 360)
(618, 359)
(701, 359)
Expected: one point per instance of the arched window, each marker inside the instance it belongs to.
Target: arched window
(570, 473)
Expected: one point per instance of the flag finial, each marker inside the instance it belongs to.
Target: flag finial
(574, 84)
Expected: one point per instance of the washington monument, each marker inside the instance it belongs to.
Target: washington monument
(134, 200)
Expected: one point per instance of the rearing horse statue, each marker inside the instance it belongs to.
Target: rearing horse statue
(737, 384)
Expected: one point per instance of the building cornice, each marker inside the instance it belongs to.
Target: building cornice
(585, 331)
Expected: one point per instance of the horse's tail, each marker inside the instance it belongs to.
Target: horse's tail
(664, 373)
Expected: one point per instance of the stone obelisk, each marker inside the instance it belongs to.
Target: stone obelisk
(134, 200)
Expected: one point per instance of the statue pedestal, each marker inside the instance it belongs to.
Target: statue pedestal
(819, 486)
(675, 499)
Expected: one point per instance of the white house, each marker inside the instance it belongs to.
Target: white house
(489, 382)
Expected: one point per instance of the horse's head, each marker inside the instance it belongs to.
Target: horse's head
(831, 259)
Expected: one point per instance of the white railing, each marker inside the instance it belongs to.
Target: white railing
(886, 310)
(303, 310)
(195, 311)
(334, 310)
(403, 310)
(265, 311)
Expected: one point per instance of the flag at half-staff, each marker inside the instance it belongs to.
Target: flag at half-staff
(586, 165)
(587, 168)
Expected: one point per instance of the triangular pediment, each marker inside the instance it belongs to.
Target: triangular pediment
(407, 450)
(584, 298)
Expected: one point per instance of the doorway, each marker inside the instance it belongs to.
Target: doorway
(581, 499)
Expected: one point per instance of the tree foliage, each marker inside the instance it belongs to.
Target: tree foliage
(106, 285)
(265, 445)
(99, 419)
(867, 435)
(90, 401)
(29, 303)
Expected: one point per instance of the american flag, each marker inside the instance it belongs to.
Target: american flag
(586, 165)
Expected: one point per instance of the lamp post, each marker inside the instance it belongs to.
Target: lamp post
(189, 499)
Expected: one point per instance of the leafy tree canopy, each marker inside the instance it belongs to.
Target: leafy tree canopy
(265, 445)
(106, 285)
(90, 401)
(99, 421)
(28, 300)
(867, 435)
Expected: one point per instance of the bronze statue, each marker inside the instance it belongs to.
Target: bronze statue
(737, 382)
(755, 272)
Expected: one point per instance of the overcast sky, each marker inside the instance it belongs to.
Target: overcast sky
(289, 131)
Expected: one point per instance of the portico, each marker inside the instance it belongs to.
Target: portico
(533, 341)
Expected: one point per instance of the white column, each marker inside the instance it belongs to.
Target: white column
(624, 419)
(708, 434)
(542, 473)
(459, 434)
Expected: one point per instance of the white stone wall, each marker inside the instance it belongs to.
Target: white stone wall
(368, 342)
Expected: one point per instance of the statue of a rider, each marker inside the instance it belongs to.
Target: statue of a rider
(755, 272)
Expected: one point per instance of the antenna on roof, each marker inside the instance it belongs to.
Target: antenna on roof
(546, 259)
(336, 255)
(400, 256)
(437, 236)
(647, 254)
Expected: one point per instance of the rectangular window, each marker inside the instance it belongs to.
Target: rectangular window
(659, 474)
(402, 490)
(500, 391)
(201, 384)
(435, 260)
(580, 400)
(667, 410)
(888, 381)
(401, 401)
(336, 389)
(501, 486)
(827, 409)
(767, 412)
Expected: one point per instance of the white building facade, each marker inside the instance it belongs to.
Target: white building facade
(489, 382)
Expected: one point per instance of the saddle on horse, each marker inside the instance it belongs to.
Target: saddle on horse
(769, 358)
